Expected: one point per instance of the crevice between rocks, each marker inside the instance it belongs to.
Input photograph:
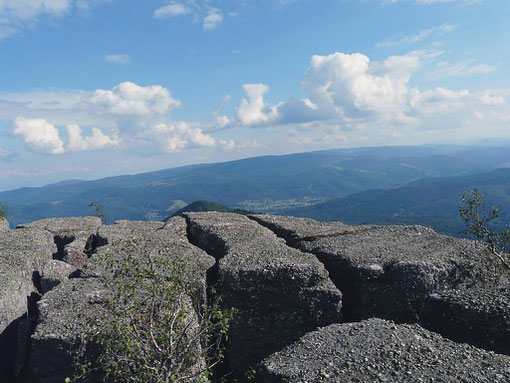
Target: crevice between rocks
(15, 340)
(345, 285)
(420, 312)
(15, 343)
(215, 247)
(61, 242)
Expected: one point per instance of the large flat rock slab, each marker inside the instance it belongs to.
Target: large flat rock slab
(385, 271)
(65, 311)
(377, 350)
(394, 272)
(280, 293)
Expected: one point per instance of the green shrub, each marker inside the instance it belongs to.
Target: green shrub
(480, 219)
(157, 325)
(3, 211)
(98, 211)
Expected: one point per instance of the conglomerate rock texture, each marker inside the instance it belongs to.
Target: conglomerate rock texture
(315, 302)
(409, 274)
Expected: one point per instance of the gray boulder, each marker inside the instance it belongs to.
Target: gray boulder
(377, 350)
(280, 293)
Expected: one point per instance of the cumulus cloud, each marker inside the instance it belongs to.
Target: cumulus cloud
(175, 137)
(127, 114)
(348, 94)
(172, 10)
(98, 140)
(253, 110)
(351, 86)
(128, 98)
(213, 19)
(118, 59)
(39, 135)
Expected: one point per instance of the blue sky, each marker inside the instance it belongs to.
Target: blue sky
(92, 88)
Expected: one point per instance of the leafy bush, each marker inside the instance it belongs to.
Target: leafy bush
(480, 219)
(157, 326)
(3, 210)
(98, 211)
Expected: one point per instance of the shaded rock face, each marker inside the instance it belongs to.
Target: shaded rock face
(408, 274)
(316, 302)
(279, 293)
(28, 270)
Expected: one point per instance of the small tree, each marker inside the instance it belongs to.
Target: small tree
(480, 218)
(98, 211)
(158, 326)
(3, 211)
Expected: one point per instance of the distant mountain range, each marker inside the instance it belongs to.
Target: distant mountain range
(430, 202)
(273, 184)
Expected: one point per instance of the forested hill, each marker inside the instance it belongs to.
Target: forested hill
(431, 202)
(263, 184)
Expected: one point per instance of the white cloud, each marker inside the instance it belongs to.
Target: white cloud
(462, 69)
(98, 140)
(213, 19)
(177, 136)
(205, 12)
(228, 145)
(439, 100)
(487, 98)
(118, 58)
(39, 135)
(420, 36)
(222, 122)
(254, 111)
(134, 115)
(172, 10)
(352, 87)
(128, 98)
(16, 15)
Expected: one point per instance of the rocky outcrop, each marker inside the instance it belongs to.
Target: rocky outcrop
(23, 255)
(315, 302)
(280, 293)
(377, 350)
(408, 274)
(74, 237)
(66, 311)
